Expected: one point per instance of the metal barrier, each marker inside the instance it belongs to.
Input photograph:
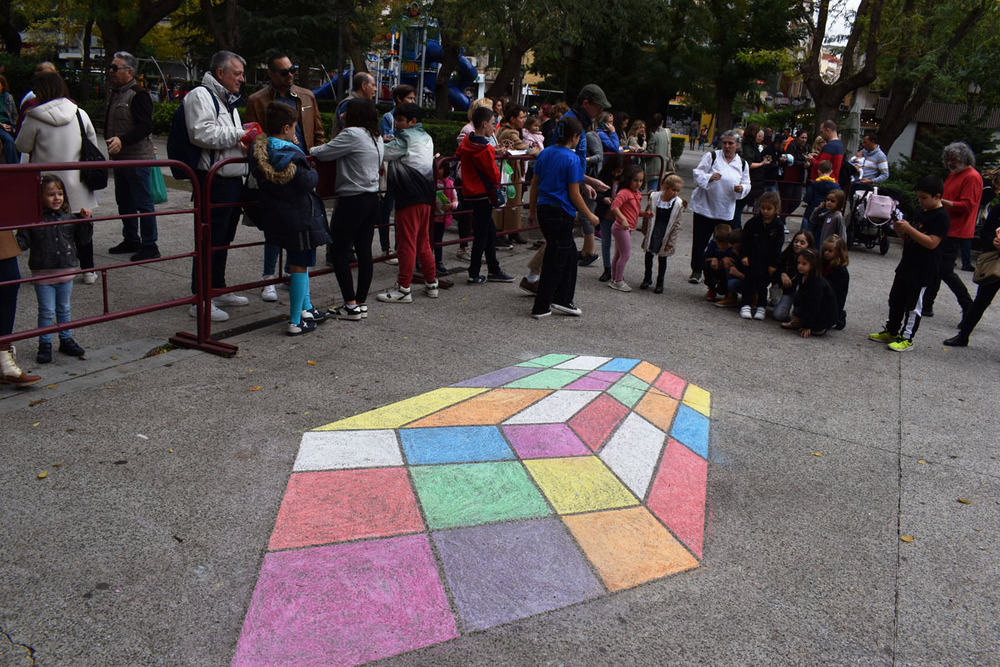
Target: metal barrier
(24, 213)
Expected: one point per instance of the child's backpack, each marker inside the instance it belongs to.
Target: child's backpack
(179, 146)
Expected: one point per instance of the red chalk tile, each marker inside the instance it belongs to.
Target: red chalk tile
(677, 496)
(595, 423)
(342, 505)
(670, 384)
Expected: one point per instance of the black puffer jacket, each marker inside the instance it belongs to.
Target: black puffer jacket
(290, 212)
(54, 247)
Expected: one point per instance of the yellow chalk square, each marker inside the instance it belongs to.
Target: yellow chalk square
(698, 399)
(403, 412)
(579, 484)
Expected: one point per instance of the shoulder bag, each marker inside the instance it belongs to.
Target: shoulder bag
(94, 179)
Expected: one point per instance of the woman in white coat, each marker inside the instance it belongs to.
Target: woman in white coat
(51, 133)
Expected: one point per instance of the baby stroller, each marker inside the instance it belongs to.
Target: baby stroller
(869, 218)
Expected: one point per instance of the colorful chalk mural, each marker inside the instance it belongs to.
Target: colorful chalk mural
(534, 487)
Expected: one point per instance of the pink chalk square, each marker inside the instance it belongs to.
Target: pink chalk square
(670, 384)
(341, 505)
(597, 380)
(595, 423)
(677, 496)
(537, 441)
(345, 604)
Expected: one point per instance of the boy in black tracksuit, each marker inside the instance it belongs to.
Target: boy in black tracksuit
(763, 237)
(917, 267)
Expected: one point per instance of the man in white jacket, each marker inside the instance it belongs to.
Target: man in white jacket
(215, 126)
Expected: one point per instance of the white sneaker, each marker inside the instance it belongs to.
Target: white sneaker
(396, 295)
(218, 315)
(90, 277)
(759, 314)
(620, 285)
(392, 261)
(745, 312)
(431, 289)
(230, 300)
(463, 255)
(269, 293)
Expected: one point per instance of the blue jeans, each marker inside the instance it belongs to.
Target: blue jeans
(271, 260)
(10, 154)
(53, 301)
(133, 195)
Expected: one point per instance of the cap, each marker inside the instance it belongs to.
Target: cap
(593, 93)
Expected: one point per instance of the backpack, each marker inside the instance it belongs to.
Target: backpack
(746, 167)
(179, 146)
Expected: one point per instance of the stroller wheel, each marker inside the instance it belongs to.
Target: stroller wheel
(883, 244)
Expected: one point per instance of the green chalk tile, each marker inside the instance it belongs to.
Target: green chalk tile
(552, 378)
(473, 493)
(548, 361)
(627, 395)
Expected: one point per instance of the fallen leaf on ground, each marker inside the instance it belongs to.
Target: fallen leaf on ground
(255, 388)
(36, 423)
(922, 462)
(817, 453)
(41, 400)
(907, 538)
(311, 363)
(170, 451)
(43, 474)
(52, 386)
(965, 501)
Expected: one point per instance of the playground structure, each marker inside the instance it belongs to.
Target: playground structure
(412, 56)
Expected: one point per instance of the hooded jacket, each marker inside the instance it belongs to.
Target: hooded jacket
(218, 136)
(50, 133)
(290, 212)
(359, 159)
(477, 157)
(410, 159)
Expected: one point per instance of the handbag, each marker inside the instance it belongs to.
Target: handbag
(250, 201)
(879, 207)
(157, 186)
(94, 179)
(987, 268)
(497, 193)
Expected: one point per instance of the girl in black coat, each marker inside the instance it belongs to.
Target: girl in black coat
(835, 261)
(815, 303)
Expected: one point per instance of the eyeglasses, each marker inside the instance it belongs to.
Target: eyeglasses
(285, 72)
(115, 68)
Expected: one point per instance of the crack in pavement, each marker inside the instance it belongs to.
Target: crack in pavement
(16, 645)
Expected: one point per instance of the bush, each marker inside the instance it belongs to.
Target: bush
(444, 133)
(163, 114)
(677, 148)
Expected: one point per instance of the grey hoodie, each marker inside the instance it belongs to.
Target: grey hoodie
(359, 159)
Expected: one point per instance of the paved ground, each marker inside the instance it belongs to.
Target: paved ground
(143, 543)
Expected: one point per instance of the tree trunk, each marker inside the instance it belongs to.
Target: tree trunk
(724, 98)
(120, 37)
(508, 71)
(85, 65)
(448, 62)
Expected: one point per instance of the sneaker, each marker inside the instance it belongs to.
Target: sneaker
(476, 280)
(431, 289)
(529, 287)
(568, 309)
(759, 314)
(620, 285)
(711, 295)
(125, 248)
(364, 310)
(728, 301)
(314, 315)
(901, 345)
(606, 276)
(587, 260)
(146, 252)
(538, 316)
(303, 327)
(270, 292)
(884, 336)
(957, 340)
(745, 312)
(441, 270)
(500, 277)
(644, 285)
(396, 295)
(345, 312)
(392, 261)
(516, 238)
(230, 300)
(218, 315)
(463, 255)
(44, 355)
(658, 289)
(695, 277)
(70, 347)
(504, 244)
(89, 278)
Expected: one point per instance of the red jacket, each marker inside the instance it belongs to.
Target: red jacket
(965, 188)
(477, 157)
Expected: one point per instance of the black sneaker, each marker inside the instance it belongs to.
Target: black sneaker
(303, 327)
(500, 277)
(568, 309)
(476, 280)
(645, 284)
(606, 276)
(70, 347)
(124, 248)
(345, 312)
(44, 355)
(538, 316)
(587, 260)
(314, 315)
(146, 252)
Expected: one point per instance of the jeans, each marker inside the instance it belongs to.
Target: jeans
(484, 237)
(950, 249)
(966, 248)
(224, 222)
(558, 281)
(10, 154)
(8, 294)
(783, 309)
(53, 301)
(133, 195)
(353, 227)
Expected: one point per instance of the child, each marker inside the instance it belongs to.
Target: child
(828, 219)
(815, 302)
(410, 159)
(555, 200)
(817, 190)
(917, 267)
(626, 209)
(762, 239)
(835, 261)
(53, 251)
(610, 174)
(660, 237)
(291, 212)
(717, 253)
(788, 277)
(479, 172)
(735, 277)
(446, 202)
(532, 133)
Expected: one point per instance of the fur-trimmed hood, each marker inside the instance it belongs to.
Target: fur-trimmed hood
(276, 161)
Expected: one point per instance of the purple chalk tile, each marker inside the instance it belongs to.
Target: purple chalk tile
(345, 604)
(607, 376)
(499, 377)
(502, 572)
(589, 383)
(536, 441)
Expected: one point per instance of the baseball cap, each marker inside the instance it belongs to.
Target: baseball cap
(593, 93)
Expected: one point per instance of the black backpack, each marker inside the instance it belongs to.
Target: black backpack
(179, 146)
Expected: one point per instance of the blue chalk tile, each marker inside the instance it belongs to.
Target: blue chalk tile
(454, 444)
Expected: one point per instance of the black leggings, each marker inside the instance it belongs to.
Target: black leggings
(354, 226)
(984, 297)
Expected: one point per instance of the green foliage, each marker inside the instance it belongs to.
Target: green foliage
(163, 114)
(18, 72)
(444, 133)
(677, 147)
(775, 119)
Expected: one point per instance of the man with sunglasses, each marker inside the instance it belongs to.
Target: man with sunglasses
(308, 131)
(128, 124)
